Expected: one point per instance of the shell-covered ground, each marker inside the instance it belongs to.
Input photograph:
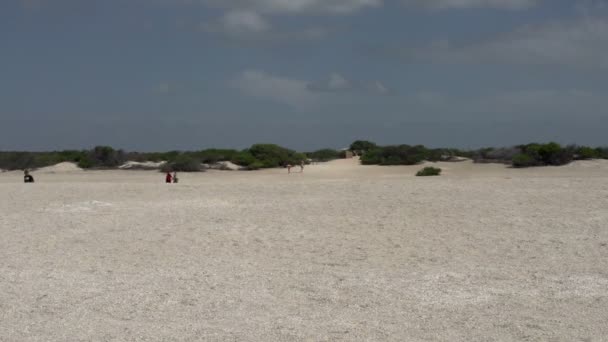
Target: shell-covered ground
(340, 252)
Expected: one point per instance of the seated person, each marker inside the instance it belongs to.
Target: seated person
(27, 178)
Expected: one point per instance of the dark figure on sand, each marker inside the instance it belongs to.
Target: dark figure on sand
(168, 178)
(175, 180)
(27, 178)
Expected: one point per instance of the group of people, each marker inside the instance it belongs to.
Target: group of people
(169, 178)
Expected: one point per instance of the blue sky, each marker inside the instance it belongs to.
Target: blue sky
(192, 74)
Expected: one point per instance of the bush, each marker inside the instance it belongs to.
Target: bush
(325, 155)
(429, 171)
(182, 163)
(270, 155)
(106, 156)
(165, 156)
(495, 155)
(212, 156)
(86, 162)
(548, 154)
(33, 160)
(245, 159)
(17, 160)
(523, 160)
(255, 166)
(602, 152)
(362, 146)
(395, 155)
(585, 152)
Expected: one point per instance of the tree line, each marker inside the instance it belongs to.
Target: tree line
(520, 156)
(260, 156)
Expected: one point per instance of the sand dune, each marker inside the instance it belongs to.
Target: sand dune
(60, 168)
(340, 252)
(149, 165)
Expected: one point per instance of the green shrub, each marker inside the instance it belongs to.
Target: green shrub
(325, 155)
(270, 155)
(244, 158)
(585, 152)
(17, 160)
(602, 152)
(212, 156)
(429, 171)
(106, 156)
(255, 166)
(183, 163)
(495, 155)
(362, 146)
(524, 160)
(86, 162)
(395, 155)
(548, 154)
(166, 156)
(372, 157)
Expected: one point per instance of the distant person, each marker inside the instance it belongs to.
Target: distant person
(168, 178)
(301, 166)
(27, 178)
(175, 179)
(288, 168)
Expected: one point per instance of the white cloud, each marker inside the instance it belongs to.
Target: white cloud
(240, 24)
(241, 21)
(338, 83)
(583, 43)
(250, 26)
(460, 4)
(335, 82)
(299, 93)
(277, 89)
(378, 87)
(352, 6)
(297, 6)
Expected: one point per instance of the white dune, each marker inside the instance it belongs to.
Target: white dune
(149, 165)
(60, 168)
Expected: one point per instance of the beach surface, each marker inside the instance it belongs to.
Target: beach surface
(340, 252)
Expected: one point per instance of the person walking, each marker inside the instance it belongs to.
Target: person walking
(168, 178)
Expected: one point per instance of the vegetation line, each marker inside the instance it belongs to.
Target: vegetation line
(261, 156)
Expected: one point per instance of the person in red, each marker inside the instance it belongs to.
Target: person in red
(168, 178)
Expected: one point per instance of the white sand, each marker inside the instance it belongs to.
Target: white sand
(339, 253)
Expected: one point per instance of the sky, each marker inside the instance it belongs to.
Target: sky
(157, 75)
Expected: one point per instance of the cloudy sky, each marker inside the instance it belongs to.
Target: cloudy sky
(191, 74)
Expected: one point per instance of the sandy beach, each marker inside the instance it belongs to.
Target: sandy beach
(341, 252)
